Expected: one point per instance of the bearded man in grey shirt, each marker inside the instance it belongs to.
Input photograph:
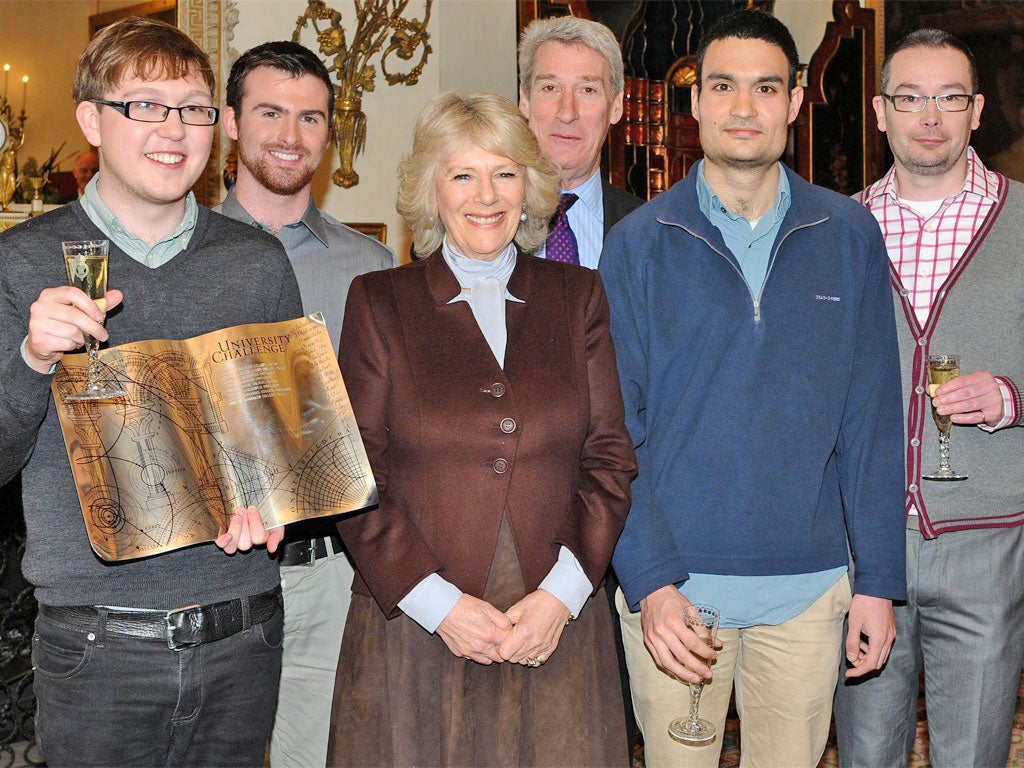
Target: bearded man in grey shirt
(279, 106)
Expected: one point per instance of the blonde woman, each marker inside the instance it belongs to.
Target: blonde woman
(484, 383)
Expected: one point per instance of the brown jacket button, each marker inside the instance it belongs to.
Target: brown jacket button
(497, 389)
(508, 426)
(500, 466)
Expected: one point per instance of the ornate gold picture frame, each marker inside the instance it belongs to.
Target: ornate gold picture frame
(378, 231)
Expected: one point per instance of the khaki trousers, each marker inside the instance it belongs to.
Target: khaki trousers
(316, 601)
(784, 678)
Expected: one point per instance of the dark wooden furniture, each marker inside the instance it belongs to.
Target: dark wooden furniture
(837, 142)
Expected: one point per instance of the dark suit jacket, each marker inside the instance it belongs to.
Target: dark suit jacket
(617, 203)
(454, 441)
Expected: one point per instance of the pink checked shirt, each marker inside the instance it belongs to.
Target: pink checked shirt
(923, 252)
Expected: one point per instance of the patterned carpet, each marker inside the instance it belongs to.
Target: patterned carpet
(918, 758)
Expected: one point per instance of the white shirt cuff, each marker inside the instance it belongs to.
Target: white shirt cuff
(567, 581)
(430, 601)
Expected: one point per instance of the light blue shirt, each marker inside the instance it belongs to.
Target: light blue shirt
(586, 220)
(746, 601)
(157, 255)
(750, 244)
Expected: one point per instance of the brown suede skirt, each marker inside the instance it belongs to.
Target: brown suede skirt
(402, 699)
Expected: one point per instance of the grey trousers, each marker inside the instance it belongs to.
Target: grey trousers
(964, 623)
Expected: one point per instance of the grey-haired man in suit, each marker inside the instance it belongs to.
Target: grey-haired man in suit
(570, 91)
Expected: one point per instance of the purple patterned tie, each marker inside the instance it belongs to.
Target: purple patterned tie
(561, 244)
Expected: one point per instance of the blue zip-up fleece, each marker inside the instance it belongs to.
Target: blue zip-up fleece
(766, 429)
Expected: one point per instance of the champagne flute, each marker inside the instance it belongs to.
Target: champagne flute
(942, 368)
(693, 730)
(86, 263)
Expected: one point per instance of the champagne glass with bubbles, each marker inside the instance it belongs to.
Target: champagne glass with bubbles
(86, 263)
(693, 730)
(942, 368)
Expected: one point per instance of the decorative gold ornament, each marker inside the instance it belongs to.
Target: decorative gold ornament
(8, 178)
(377, 22)
(12, 138)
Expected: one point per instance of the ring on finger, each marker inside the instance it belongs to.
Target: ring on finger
(532, 662)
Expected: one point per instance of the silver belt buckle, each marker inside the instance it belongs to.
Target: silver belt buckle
(328, 548)
(184, 627)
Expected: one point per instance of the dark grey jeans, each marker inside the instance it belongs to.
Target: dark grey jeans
(110, 700)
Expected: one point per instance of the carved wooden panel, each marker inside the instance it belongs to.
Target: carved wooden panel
(543, 9)
(837, 143)
(659, 140)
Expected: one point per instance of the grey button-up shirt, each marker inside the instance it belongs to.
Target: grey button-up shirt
(326, 256)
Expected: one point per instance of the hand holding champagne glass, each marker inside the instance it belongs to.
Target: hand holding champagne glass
(86, 263)
(693, 730)
(942, 368)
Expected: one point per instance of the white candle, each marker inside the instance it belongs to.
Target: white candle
(7, 72)
(24, 91)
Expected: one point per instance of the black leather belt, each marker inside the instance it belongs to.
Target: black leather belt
(308, 551)
(183, 627)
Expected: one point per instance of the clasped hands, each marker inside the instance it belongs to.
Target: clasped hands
(527, 632)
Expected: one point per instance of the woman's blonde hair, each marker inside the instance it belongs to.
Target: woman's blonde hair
(451, 122)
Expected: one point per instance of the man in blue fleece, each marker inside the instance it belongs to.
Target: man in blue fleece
(757, 351)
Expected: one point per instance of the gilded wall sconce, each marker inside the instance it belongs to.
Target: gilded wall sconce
(380, 24)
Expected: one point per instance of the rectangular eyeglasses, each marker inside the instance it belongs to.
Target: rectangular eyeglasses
(151, 112)
(946, 102)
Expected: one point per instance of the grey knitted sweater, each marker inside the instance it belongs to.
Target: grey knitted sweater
(228, 274)
(979, 315)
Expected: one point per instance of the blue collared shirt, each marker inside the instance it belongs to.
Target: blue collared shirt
(586, 220)
(751, 245)
(325, 254)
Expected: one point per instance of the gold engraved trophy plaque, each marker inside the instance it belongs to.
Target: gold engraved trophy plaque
(251, 415)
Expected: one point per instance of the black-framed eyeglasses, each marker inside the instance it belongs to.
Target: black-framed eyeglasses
(151, 112)
(914, 102)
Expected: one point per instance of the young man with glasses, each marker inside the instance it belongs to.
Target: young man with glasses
(115, 684)
(953, 231)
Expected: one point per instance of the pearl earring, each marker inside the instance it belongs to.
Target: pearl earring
(523, 216)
